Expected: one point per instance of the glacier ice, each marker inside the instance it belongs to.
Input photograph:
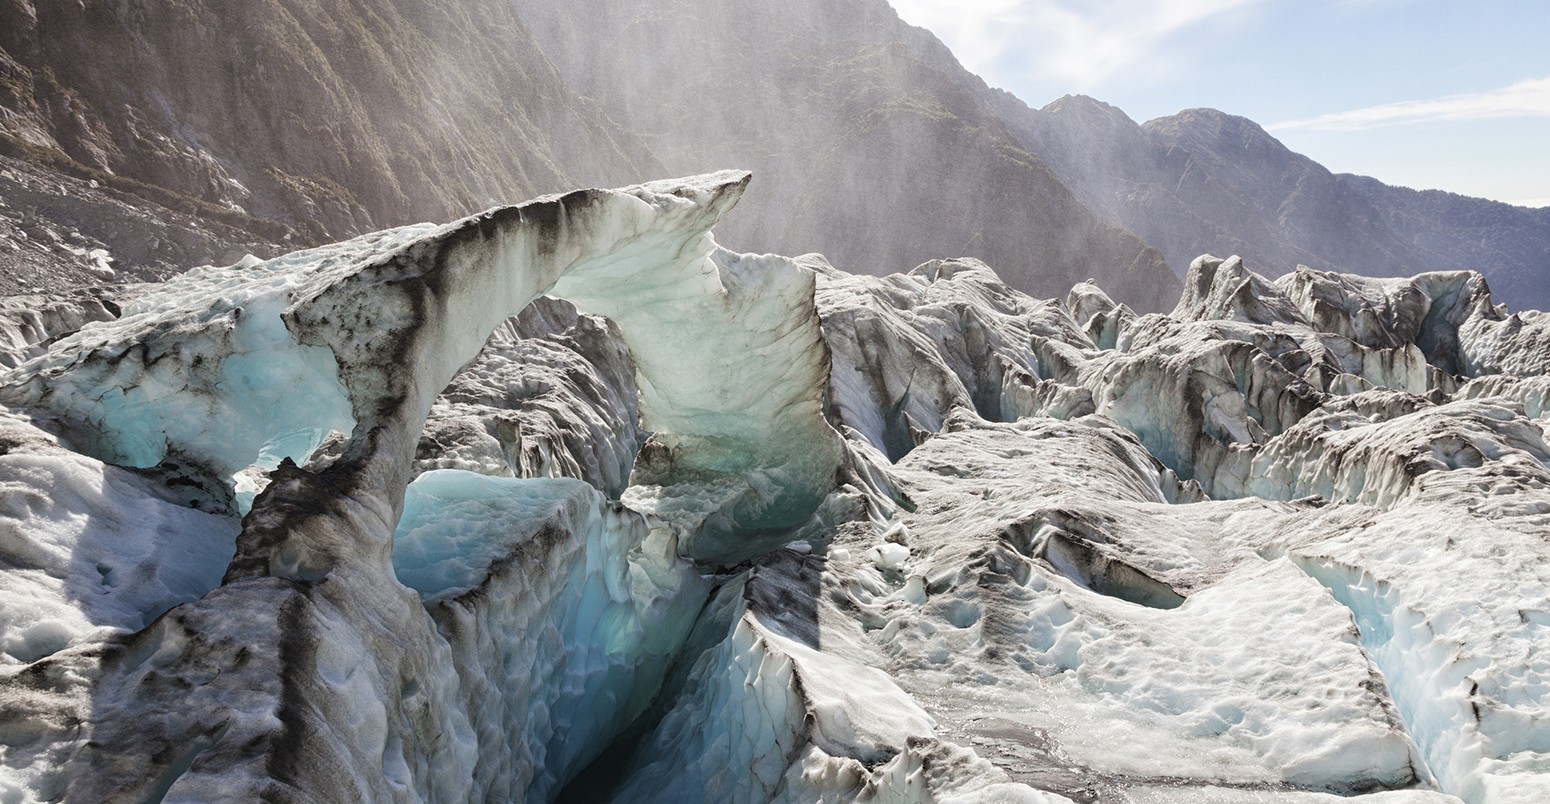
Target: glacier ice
(566, 501)
(224, 369)
(564, 612)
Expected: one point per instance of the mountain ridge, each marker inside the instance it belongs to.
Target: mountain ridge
(871, 143)
(1206, 181)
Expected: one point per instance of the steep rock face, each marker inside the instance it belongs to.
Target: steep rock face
(1204, 181)
(847, 115)
(307, 121)
(1239, 175)
(60, 233)
(331, 115)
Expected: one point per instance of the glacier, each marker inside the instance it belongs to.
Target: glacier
(564, 501)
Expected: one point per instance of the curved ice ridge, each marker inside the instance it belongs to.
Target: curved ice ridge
(358, 690)
(370, 331)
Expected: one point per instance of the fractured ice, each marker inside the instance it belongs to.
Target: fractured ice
(564, 500)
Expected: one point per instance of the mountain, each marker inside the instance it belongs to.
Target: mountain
(339, 117)
(1510, 245)
(845, 101)
(301, 122)
(302, 530)
(330, 118)
(1202, 181)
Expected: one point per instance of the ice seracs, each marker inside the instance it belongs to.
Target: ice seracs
(376, 522)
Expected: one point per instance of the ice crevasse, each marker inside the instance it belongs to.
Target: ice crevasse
(304, 530)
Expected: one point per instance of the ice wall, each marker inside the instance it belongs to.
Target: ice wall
(335, 681)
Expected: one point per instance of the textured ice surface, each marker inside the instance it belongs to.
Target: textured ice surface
(1000, 633)
(765, 715)
(563, 611)
(1068, 598)
(747, 528)
(552, 394)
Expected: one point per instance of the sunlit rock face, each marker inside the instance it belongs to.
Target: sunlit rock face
(566, 502)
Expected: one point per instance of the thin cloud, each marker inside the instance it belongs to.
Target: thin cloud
(1079, 43)
(977, 31)
(1524, 99)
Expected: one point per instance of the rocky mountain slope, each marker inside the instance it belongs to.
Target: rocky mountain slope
(299, 529)
(331, 118)
(337, 118)
(301, 122)
(872, 144)
(1202, 181)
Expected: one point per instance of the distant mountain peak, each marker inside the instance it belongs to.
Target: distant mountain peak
(1211, 124)
(1088, 106)
(1204, 180)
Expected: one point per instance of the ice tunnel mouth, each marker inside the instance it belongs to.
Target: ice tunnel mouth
(1056, 538)
(1088, 567)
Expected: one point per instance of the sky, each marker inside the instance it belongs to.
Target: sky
(1428, 94)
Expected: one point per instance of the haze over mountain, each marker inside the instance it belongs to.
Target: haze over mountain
(338, 120)
(1202, 181)
(870, 143)
(829, 101)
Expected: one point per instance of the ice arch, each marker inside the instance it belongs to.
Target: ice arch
(228, 367)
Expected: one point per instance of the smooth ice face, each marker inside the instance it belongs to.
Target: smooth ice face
(90, 549)
(732, 368)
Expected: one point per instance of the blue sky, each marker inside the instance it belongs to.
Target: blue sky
(1444, 94)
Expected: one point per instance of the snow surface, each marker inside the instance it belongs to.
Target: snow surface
(1237, 393)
